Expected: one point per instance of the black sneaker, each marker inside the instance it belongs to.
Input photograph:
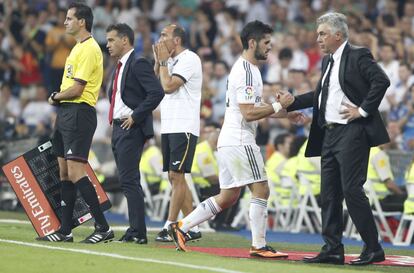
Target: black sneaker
(99, 236)
(56, 237)
(163, 237)
(127, 238)
(192, 236)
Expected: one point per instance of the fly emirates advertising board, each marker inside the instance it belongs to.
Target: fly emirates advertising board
(34, 177)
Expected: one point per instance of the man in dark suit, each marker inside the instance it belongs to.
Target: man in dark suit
(134, 93)
(345, 124)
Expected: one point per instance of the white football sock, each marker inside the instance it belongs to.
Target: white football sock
(258, 219)
(167, 223)
(195, 229)
(205, 210)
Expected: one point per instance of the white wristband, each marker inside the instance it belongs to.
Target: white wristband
(277, 106)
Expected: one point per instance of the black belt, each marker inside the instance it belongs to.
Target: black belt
(331, 126)
(118, 121)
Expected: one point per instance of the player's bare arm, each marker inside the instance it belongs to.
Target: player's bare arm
(251, 112)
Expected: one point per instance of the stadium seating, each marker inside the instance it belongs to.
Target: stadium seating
(405, 231)
(283, 210)
(309, 214)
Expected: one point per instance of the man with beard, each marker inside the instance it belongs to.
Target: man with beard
(239, 159)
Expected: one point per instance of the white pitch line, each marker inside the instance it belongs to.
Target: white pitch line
(14, 221)
(122, 257)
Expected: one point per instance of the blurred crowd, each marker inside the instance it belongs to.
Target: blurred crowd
(33, 49)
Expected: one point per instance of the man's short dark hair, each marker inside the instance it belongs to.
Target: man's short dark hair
(280, 139)
(285, 53)
(82, 11)
(296, 144)
(180, 32)
(122, 31)
(389, 20)
(254, 30)
(388, 45)
(406, 65)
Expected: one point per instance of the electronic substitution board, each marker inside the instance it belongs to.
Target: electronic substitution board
(34, 177)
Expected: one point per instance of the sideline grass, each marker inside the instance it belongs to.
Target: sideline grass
(19, 258)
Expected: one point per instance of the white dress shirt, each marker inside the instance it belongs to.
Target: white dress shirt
(121, 111)
(336, 96)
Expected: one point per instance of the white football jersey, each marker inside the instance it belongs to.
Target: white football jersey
(244, 86)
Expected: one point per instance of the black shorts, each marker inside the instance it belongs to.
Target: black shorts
(74, 128)
(178, 151)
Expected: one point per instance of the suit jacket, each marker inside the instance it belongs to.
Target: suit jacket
(141, 91)
(364, 83)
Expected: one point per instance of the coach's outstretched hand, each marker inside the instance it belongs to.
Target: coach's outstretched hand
(285, 98)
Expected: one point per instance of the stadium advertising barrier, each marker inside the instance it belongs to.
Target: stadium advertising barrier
(34, 177)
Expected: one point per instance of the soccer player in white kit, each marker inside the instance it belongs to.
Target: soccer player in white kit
(239, 159)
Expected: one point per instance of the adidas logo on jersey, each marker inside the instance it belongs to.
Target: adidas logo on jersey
(69, 152)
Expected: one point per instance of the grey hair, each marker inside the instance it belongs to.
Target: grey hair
(337, 22)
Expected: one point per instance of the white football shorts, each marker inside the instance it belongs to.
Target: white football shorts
(240, 165)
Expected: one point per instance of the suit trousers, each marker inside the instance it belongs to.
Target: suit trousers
(344, 162)
(127, 146)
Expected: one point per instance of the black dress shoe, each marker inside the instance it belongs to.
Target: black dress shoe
(325, 259)
(126, 238)
(142, 241)
(369, 258)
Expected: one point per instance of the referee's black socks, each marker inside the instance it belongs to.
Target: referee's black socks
(68, 195)
(88, 193)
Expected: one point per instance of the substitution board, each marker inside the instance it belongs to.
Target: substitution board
(34, 177)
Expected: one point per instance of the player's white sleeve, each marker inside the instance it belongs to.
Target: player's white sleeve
(245, 92)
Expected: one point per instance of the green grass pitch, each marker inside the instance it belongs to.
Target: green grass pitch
(19, 252)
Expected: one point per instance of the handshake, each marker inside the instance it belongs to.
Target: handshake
(284, 98)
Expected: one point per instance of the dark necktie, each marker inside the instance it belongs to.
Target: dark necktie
(324, 98)
(114, 90)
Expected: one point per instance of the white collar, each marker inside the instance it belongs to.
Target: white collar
(124, 58)
(338, 53)
(176, 57)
